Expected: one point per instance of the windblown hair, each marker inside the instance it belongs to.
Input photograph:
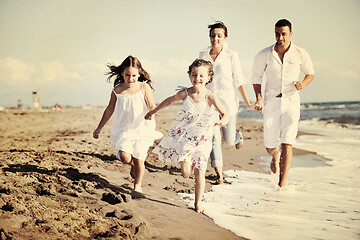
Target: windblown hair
(130, 61)
(218, 24)
(283, 23)
(201, 62)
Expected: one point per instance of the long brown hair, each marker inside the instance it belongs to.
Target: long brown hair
(130, 61)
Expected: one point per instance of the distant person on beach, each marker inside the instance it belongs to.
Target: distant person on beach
(282, 63)
(228, 79)
(189, 141)
(131, 98)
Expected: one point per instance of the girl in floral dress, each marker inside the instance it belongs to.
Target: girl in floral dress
(189, 141)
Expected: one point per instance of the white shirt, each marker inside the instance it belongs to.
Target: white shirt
(227, 77)
(281, 75)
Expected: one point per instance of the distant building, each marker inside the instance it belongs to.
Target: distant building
(36, 101)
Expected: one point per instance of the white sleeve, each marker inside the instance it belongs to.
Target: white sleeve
(306, 63)
(259, 67)
(237, 74)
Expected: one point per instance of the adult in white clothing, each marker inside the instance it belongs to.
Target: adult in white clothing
(282, 64)
(228, 79)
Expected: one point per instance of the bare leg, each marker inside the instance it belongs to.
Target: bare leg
(186, 169)
(275, 153)
(219, 174)
(285, 162)
(128, 159)
(139, 174)
(199, 189)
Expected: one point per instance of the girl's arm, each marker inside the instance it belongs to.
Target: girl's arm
(167, 102)
(106, 115)
(149, 96)
(244, 95)
(213, 99)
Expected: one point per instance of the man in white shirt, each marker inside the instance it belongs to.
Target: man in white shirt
(281, 63)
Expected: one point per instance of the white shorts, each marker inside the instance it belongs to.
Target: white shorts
(138, 149)
(281, 118)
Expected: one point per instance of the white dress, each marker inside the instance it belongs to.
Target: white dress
(130, 132)
(190, 138)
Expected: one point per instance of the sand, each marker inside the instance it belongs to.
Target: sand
(57, 182)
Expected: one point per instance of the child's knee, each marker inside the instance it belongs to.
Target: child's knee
(185, 173)
(125, 157)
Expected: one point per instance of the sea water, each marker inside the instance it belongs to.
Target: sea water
(322, 197)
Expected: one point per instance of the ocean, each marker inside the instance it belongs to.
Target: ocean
(322, 197)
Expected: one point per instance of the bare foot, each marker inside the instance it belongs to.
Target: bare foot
(281, 183)
(136, 194)
(241, 143)
(199, 209)
(219, 181)
(137, 187)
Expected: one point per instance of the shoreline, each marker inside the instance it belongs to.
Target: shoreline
(58, 181)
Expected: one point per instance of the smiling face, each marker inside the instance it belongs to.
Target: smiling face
(217, 37)
(199, 76)
(130, 75)
(283, 36)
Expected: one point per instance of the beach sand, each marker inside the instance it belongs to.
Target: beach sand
(57, 182)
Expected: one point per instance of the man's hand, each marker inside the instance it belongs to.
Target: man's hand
(259, 105)
(299, 85)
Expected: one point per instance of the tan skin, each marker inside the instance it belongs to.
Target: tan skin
(198, 78)
(217, 40)
(130, 85)
(281, 155)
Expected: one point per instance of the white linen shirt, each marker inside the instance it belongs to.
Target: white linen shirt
(227, 77)
(280, 76)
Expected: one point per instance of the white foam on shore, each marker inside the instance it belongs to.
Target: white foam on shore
(321, 199)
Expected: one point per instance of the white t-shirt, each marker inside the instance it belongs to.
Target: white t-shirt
(227, 77)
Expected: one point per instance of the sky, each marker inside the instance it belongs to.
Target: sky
(61, 48)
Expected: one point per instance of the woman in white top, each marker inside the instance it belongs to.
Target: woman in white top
(228, 78)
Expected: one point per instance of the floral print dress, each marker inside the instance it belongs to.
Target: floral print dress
(190, 138)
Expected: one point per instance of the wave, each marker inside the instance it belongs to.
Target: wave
(329, 105)
(344, 119)
(337, 113)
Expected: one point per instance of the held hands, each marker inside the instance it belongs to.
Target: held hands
(298, 85)
(220, 123)
(252, 107)
(149, 115)
(259, 105)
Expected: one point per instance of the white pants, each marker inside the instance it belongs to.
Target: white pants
(281, 118)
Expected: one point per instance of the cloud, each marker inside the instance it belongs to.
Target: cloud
(338, 71)
(55, 73)
(167, 69)
(15, 72)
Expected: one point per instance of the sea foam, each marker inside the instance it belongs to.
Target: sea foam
(320, 201)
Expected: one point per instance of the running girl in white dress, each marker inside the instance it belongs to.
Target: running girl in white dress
(131, 98)
(189, 141)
